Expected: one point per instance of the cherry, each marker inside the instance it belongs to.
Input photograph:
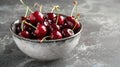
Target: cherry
(47, 23)
(33, 35)
(72, 23)
(67, 32)
(54, 26)
(32, 19)
(40, 30)
(27, 27)
(55, 35)
(25, 34)
(39, 16)
(60, 20)
(18, 28)
(51, 16)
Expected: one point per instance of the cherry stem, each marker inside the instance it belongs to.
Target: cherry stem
(26, 5)
(28, 24)
(75, 6)
(22, 26)
(76, 19)
(44, 38)
(75, 24)
(57, 8)
(78, 16)
(57, 18)
(26, 12)
(40, 6)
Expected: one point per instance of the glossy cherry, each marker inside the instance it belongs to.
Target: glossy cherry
(54, 26)
(39, 16)
(55, 35)
(27, 27)
(25, 34)
(32, 19)
(47, 23)
(18, 28)
(71, 23)
(40, 30)
(60, 20)
(51, 16)
(67, 32)
(33, 35)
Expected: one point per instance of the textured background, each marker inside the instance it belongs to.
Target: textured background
(99, 45)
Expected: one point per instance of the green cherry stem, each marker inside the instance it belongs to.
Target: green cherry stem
(22, 26)
(57, 8)
(75, 24)
(26, 11)
(25, 5)
(76, 19)
(54, 8)
(40, 8)
(28, 24)
(75, 6)
(44, 38)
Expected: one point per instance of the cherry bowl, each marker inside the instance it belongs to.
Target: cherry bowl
(47, 49)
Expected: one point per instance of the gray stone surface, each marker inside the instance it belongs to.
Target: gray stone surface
(99, 45)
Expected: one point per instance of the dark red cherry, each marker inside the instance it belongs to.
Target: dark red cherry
(51, 16)
(71, 23)
(55, 35)
(54, 26)
(33, 35)
(39, 16)
(27, 27)
(47, 22)
(67, 32)
(41, 30)
(25, 34)
(18, 28)
(32, 19)
(60, 20)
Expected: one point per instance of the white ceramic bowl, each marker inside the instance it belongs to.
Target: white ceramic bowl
(48, 49)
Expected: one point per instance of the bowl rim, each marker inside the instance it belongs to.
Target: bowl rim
(44, 41)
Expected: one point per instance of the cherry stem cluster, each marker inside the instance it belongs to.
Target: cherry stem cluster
(26, 6)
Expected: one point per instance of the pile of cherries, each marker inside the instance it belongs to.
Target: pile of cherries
(56, 26)
(49, 26)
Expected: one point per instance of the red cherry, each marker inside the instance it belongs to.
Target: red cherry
(60, 20)
(33, 35)
(54, 26)
(27, 27)
(32, 19)
(71, 22)
(67, 32)
(25, 34)
(51, 16)
(39, 16)
(18, 28)
(47, 22)
(55, 35)
(41, 30)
